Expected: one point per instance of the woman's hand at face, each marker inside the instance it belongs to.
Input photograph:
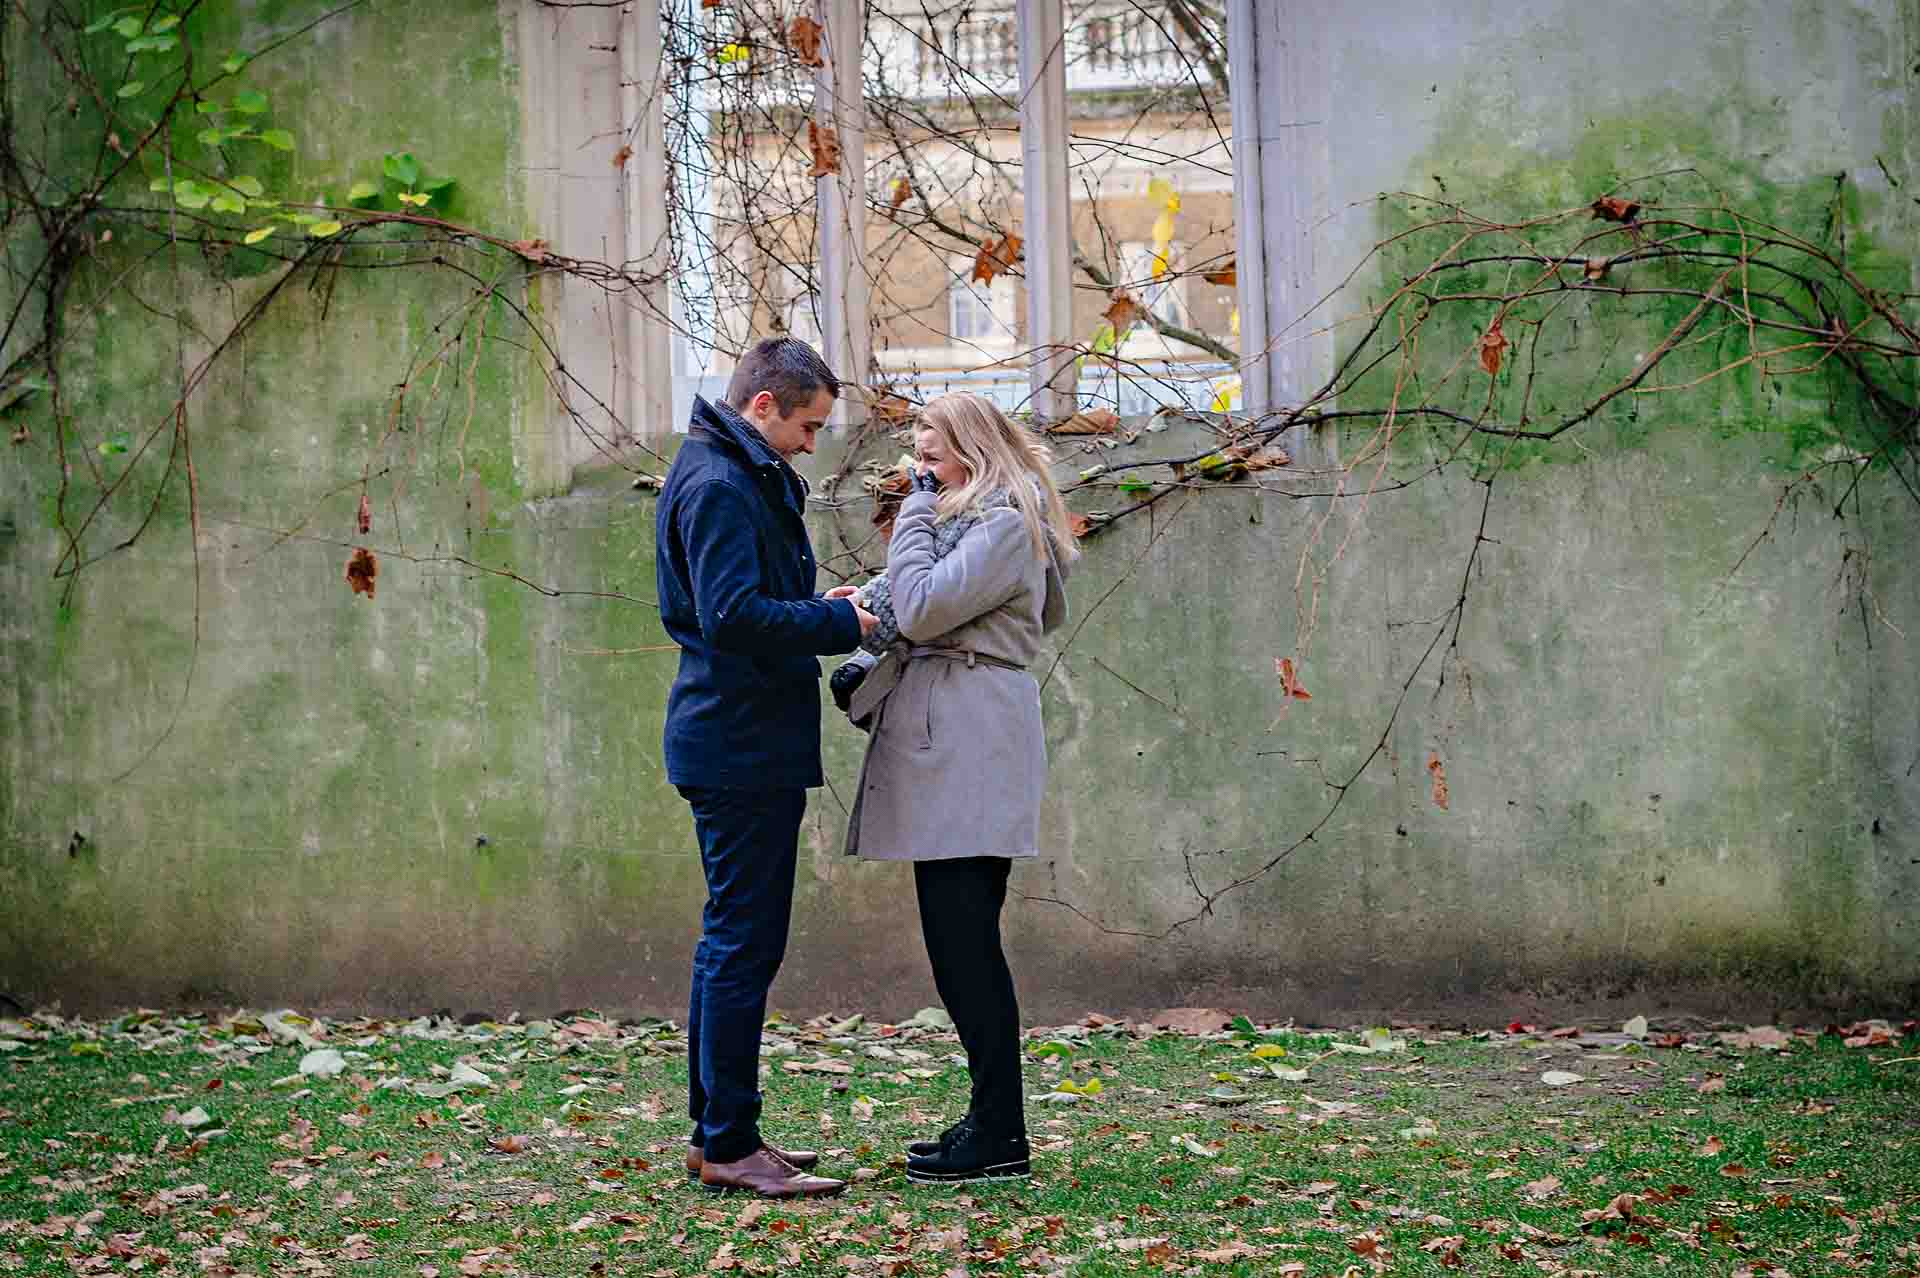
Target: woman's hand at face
(925, 481)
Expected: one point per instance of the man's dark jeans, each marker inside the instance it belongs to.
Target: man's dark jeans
(749, 840)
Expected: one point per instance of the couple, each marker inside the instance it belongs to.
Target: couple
(955, 764)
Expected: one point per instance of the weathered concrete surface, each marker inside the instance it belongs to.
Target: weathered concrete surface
(1668, 781)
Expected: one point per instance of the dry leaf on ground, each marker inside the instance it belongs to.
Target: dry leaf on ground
(1191, 1020)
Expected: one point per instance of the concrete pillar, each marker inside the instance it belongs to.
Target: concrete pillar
(1282, 170)
(571, 122)
(1048, 221)
(841, 201)
(646, 385)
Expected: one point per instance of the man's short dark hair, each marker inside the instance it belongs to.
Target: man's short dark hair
(785, 367)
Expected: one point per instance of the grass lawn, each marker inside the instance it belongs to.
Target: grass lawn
(191, 1145)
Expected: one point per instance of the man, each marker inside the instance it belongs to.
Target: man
(735, 572)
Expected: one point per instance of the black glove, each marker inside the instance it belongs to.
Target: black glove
(925, 481)
(844, 680)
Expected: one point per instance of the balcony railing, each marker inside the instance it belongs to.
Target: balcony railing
(963, 50)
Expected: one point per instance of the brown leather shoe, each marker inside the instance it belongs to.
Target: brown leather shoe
(765, 1173)
(804, 1159)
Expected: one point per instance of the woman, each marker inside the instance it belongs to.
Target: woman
(956, 764)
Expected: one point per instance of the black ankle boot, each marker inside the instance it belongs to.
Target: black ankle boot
(974, 1153)
(928, 1148)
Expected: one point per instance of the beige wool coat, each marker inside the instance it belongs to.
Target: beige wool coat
(956, 762)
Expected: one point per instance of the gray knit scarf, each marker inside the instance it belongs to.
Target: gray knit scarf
(877, 595)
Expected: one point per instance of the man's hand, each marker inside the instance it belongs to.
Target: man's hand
(867, 620)
(843, 592)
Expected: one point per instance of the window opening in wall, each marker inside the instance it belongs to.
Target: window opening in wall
(1158, 285)
(980, 312)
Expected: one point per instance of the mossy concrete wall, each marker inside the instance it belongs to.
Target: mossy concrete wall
(1669, 780)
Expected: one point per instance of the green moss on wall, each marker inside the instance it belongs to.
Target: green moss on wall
(1570, 343)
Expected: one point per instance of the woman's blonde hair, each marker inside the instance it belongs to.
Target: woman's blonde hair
(1000, 456)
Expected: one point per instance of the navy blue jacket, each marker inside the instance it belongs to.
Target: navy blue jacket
(735, 573)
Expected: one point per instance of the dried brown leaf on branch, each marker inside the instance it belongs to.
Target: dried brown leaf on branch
(1290, 681)
(1124, 312)
(803, 37)
(1596, 269)
(890, 408)
(1088, 421)
(365, 520)
(1492, 346)
(825, 145)
(1439, 774)
(1078, 524)
(901, 189)
(362, 568)
(621, 156)
(534, 251)
(1611, 208)
(710, 4)
(1227, 276)
(1263, 457)
(995, 257)
(888, 492)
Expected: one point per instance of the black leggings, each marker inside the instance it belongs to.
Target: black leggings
(960, 903)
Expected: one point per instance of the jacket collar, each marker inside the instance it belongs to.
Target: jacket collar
(726, 427)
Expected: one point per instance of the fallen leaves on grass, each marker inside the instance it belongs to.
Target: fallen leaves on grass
(1191, 1020)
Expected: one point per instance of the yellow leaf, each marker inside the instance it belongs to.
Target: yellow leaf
(1234, 322)
(1091, 1087)
(415, 198)
(321, 230)
(1159, 266)
(1163, 231)
(261, 233)
(1173, 202)
(1223, 1077)
(1267, 1051)
(1225, 394)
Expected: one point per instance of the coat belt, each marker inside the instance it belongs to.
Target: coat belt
(967, 655)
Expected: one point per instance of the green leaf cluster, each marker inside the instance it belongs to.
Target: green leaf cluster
(239, 120)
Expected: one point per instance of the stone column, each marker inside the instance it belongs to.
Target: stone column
(845, 288)
(1282, 176)
(1048, 221)
(646, 404)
